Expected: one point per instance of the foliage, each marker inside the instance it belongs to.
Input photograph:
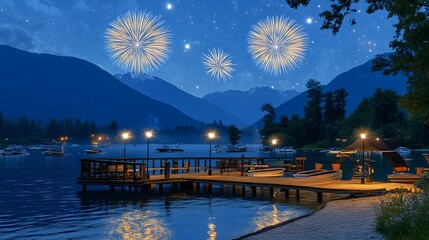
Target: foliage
(411, 49)
(269, 127)
(313, 110)
(405, 215)
(234, 134)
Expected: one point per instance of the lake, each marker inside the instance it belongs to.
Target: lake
(39, 198)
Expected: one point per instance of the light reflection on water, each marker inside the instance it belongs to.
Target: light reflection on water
(39, 198)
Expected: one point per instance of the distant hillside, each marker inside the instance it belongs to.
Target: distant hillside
(43, 86)
(359, 82)
(190, 105)
(247, 104)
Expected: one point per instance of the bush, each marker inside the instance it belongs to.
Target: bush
(405, 215)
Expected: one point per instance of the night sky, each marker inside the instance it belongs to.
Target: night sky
(77, 28)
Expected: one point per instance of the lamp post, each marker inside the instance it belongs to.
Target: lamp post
(125, 136)
(363, 136)
(274, 142)
(149, 135)
(211, 136)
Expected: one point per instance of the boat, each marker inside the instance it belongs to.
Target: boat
(266, 172)
(42, 147)
(287, 149)
(93, 151)
(14, 150)
(236, 148)
(166, 148)
(53, 153)
(324, 174)
(403, 177)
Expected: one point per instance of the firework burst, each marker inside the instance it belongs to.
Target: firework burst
(138, 42)
(277, 44)
(219, 64)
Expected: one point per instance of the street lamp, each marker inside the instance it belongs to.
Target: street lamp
(363, 136)
(125, 136)
(274, 142)
(149, 135)
(211, 136)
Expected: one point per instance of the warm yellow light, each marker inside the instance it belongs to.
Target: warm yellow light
(274, 141)
(125, 135)
(100, 138)
(148, 134)
(363, 135)
(211, 135)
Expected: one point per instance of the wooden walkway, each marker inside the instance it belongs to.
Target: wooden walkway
(96, 172)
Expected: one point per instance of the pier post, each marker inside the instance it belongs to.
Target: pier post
(112, 188)
(243, 190)
(209, 187)
(253, 191)
(197, 187)
(271, 192)
(161, 187)
(83, 188)
(297, 194)
(233, 190)
(319, 197)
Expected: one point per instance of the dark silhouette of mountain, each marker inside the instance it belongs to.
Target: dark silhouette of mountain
(247, 104)
(42, 86)
(359, 82)
(190, 105)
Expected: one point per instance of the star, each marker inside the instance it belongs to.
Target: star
(169, 6)
(309, 20)
(187, 46)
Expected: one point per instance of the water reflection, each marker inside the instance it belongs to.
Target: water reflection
(268, 217)
(139, 225)
(212, 231)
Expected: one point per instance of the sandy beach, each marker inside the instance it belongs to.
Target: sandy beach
(352, 218)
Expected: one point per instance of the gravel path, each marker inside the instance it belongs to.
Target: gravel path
(342, 219)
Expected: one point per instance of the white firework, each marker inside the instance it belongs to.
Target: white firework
(138, 42)
(219, 64)
(277, 44)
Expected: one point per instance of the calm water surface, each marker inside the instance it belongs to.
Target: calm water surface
(39, 198)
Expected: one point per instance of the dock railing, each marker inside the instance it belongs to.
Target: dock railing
(138, 169)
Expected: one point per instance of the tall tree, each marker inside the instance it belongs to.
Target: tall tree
(340, 103)
(234, 134)
(330, 111)
(410, 43)
(313, 110)
(268, 119)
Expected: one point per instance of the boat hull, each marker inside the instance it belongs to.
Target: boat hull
(320, 174)
(403, 177)
(268, 172)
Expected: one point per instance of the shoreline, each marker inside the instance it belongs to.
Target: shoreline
(353, 217)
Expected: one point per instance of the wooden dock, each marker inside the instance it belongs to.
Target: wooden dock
(92, 174)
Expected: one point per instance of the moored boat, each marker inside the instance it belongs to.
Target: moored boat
(53, 153)
(403, 177)
(166, 148)
(14, 150)
(266, 172)
(93, 151)
(324, 174)
(236, 148)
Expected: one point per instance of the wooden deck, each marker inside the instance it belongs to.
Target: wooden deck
(235, 178)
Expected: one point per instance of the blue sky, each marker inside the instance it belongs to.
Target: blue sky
(77, 28)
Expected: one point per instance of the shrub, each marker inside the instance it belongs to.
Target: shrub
(405, 215)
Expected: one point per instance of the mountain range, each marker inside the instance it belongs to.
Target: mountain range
(247, 104)
(190, 105)
(42, 86)
(360, 82)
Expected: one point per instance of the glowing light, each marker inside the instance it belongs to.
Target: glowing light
(148, 134)
(211, 135)
(277, 44)
(363, 135)
(219, 64)
(309, 20)
(169, 6)
(187, 46)
(125, 135)
(138, 42)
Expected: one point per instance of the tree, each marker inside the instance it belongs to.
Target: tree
(330, 111)
(268, 119)
(313, 110)
(410, 43)
(234, 134)
(340, 103)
